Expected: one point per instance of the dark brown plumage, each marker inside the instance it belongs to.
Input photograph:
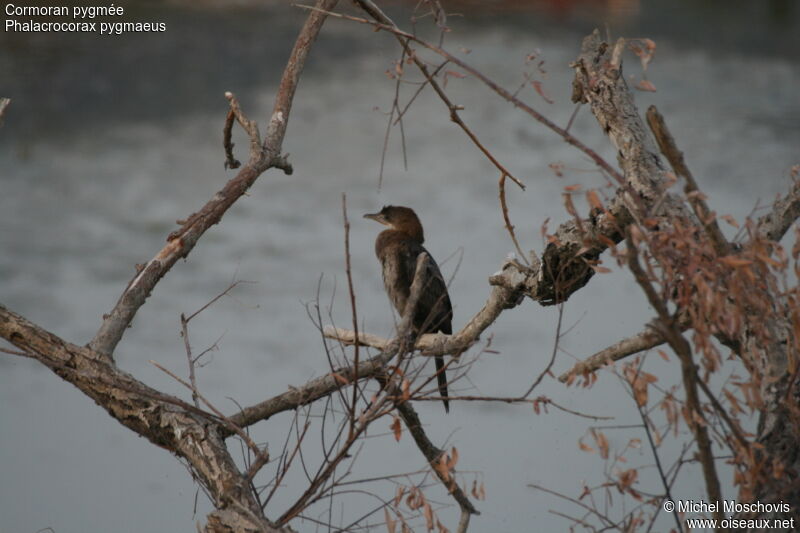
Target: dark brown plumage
(397, 249)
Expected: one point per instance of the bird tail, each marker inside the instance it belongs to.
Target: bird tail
(441, 377)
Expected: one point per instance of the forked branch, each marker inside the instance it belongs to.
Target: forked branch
(181, 242)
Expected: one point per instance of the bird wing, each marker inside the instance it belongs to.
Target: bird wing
(434, 310)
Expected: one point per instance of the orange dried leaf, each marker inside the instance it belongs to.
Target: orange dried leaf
(594, 199)
(391, 524)
(646, 85)
(735, 407)
(734, 261)
(427, 512)
(397, 428)
(538, 86)
(340, 379)
(602, 443)
(412, 501)
(453, 457)
(605, 240)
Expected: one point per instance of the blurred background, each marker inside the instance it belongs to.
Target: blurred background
(110, 139)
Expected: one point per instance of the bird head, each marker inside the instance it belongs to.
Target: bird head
(400, 219)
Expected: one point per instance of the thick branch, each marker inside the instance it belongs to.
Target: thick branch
(434, 455)
(146, 411)
(279, 119)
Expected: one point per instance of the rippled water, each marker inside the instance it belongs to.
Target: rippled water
(109, 141)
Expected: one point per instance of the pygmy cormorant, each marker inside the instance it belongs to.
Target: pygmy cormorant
(397, 249)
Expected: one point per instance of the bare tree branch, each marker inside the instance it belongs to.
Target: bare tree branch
(385, 23)
(434, 456)
(227, 143)
(403, 38)
(191, 436)
(644, 340)
(249, 126)
(675, 157)
(182, 241)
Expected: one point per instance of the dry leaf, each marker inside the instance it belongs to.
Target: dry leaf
(646, 85)
(538, 86)
(397, 428)
(733, 261)
(391, 524)
(585, 447)
(594, 199)
(602, 443)
(427, 512)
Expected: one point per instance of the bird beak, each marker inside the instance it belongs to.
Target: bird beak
(377, 217)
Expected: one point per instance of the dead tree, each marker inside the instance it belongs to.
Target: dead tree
(692, 276)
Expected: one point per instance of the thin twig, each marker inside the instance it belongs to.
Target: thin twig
(552, 353)
(188, 348)
(249, 126)
(501, 185)
(389, 123)
(403, 38)
(384, 23)
(230, 161)
(654, 449)
(536, 402)
(353, 310)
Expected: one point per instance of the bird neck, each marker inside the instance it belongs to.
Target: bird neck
(410, 229)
